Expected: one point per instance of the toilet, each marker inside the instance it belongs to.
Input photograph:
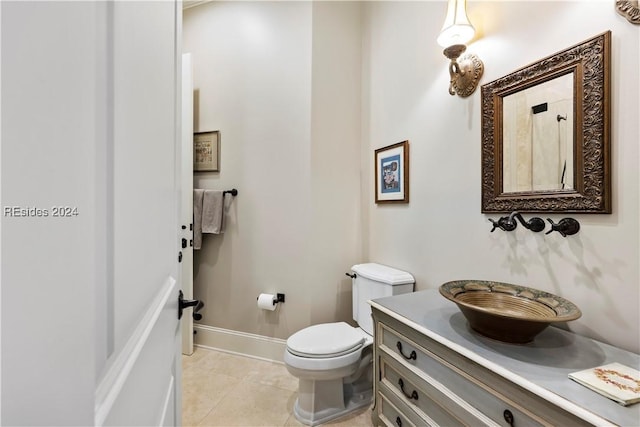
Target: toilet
(333, 361)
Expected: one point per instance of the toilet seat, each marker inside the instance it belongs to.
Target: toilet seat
(326, 340)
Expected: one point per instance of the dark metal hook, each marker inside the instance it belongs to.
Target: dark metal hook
(504, 223)
(566, 226)
(535, 224)
(509, 223)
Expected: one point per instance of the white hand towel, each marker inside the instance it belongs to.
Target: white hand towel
(213, 212)
(198, 195)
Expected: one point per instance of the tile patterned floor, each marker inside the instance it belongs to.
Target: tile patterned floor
(220, 389)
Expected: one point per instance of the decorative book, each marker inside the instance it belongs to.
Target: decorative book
(615, 381)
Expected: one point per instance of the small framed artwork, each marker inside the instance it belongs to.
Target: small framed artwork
(392, 173)
(206, 150)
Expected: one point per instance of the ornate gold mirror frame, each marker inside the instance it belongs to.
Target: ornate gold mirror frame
(589, 64)
(629, 9)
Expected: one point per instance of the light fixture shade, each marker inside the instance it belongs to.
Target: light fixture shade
(456, 29)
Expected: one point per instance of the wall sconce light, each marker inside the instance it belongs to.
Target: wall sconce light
(465, 70)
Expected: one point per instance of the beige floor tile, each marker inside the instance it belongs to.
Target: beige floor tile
(194, 408)
(189, 361)
(359, 418)
(232, 365)
(292, 422)
(201, 392)
(252, 404)
(206, 360)
(202, 388)
(273, 374)
(221, 389)
(209, 383)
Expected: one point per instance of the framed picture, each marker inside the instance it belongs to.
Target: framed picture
(206, 150)
(392, 173)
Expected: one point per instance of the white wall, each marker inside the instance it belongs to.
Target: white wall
(441, 235)
(335, 233)
(280, 80)
(277, 78)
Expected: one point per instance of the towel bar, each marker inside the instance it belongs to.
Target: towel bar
(233, 192)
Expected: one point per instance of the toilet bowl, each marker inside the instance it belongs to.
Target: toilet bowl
(333, 361)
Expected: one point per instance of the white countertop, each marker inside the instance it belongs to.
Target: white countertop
(541, 366)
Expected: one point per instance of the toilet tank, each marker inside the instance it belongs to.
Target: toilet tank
(376, 281)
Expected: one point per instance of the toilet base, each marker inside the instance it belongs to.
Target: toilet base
(319, 402)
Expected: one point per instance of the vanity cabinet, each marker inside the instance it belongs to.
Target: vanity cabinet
(432, 370)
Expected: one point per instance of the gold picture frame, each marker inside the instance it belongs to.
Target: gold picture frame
(392, 173)
(206, 151)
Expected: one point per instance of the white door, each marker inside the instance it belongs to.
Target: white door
(186, 199)
(90, 159)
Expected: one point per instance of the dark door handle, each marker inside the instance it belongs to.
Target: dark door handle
(196, 309)
(185, 303)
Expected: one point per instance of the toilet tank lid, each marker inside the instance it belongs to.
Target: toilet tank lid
(382, 273)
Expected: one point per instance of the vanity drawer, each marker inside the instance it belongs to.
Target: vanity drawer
(470, 382)
(432, 402)
(394, 413)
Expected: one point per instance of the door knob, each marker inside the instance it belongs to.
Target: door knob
(185, 303)
(196, 315)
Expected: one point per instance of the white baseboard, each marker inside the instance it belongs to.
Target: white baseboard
(242, 343)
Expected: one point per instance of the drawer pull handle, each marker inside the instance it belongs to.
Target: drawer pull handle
(508, 417)
(413, 395)
(412, 356)
(398, 422)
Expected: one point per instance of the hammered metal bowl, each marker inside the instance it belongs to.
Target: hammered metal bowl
(506, 312)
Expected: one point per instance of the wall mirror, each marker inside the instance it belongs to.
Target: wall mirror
(545, 134)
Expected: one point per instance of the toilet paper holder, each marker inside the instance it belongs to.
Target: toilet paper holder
(279, 298)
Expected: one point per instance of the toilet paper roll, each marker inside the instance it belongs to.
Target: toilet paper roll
(267, 302)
